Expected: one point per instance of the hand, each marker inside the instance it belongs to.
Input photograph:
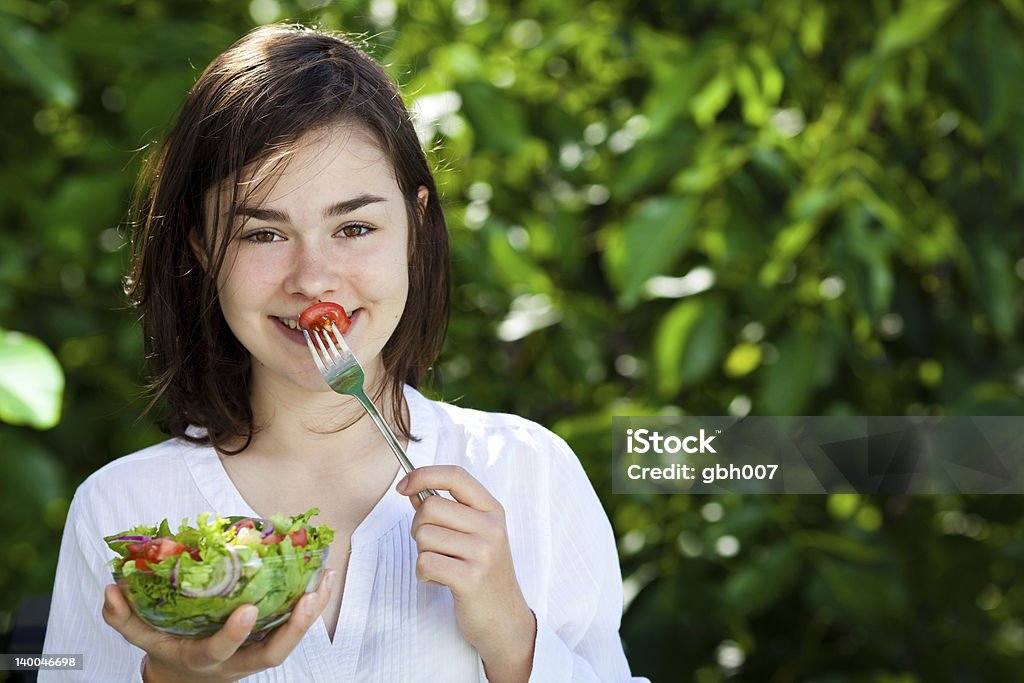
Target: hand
(463, 544)
(220, 657)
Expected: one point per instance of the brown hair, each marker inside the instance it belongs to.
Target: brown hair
(260, 96)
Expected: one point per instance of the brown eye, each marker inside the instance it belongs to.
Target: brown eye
(261, 236)
(355, 230)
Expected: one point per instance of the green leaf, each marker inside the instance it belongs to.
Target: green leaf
(1000, 288)
(744, 358)
(39, 63)
(763, 582)
(858, 595)
(790, 241)
(31, 382)
(788, 381)
(649, 243)
(688, 343)
(516, 271)
(652, 162)
(498, 121)
(712, 99)
(915, 23)
(988, 78)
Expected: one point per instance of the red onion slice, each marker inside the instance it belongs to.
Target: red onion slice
(268, 525)
(225, 584)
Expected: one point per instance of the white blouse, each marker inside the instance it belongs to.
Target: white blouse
(391, 626)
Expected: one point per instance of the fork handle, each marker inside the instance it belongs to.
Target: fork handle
(389, 436)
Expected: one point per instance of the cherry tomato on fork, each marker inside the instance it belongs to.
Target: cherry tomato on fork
(321, 315)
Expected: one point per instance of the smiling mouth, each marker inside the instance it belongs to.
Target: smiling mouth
(293, 323)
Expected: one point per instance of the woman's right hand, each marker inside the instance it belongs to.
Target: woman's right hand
(220, 658)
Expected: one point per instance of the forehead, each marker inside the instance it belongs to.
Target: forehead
(323, 166)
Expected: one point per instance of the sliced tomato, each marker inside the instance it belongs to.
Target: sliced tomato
(139, 563)
(322, 315)
(162, 547)
(136, 549)
(271, 539)
(299, 538)
(151, 552)
(194, 552)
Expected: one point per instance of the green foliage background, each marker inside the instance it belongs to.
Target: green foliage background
(777, 207)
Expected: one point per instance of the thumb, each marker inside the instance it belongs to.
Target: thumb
(119, 615)
(115, 608)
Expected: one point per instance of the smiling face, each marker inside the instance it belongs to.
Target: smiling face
(328, 224)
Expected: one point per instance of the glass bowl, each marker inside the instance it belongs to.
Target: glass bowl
(194, 600)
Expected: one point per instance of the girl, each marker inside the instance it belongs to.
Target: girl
(294, 175)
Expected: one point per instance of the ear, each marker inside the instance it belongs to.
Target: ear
(422, 196)
(196, 242)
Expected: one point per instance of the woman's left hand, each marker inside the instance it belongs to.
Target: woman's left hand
(463, 544)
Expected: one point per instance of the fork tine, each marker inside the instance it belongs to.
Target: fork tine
(338, 349)
(325, 348)
(330, 346)
(316, 356)
(340, 344)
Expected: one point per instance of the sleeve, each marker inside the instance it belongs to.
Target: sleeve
(76, 624)
(578, 627)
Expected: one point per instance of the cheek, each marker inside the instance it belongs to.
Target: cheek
(242, 280)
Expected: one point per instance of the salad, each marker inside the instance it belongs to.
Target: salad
(188, 583)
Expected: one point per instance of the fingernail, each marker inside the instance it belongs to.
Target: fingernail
(248, 617)
(402, 484)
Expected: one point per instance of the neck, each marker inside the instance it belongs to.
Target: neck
(322, 430)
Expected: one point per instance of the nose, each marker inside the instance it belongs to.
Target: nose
(312, 273)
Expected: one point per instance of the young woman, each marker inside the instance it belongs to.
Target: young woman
(294, 175)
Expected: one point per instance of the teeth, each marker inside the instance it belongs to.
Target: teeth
(293, 324)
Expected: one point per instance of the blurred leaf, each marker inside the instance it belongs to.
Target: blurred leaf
(857, 594)
(653, 161)
(81, 207)
(31, 382)
(787, 383)
(515, 268)
(150, 106)
(990, 76)
(24, 460)
(649, 243)
(788, 244)
(36, 61)
(743, 359)
(772, 572)
(916, 21)
(842, 546)
(498, 120)
(999, 288)
(712, 99)
(688, 343)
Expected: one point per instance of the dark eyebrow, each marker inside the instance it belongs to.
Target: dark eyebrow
(336, 209)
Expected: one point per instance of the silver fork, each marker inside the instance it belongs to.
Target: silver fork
(342, 371)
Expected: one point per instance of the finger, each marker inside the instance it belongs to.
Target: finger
(274, 650)
(454, 479)
(436, 539)
(447, 513)
(120, 617)
(436, 568)
(223, 644)
(204, 652)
